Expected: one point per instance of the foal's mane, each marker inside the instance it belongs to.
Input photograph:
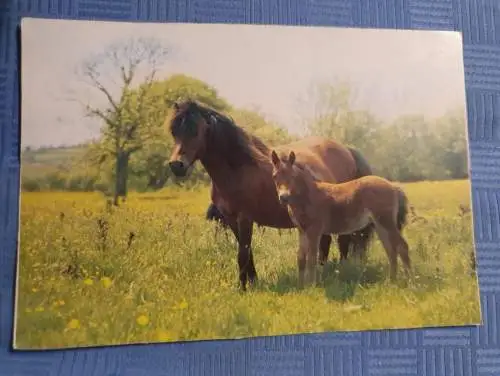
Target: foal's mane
(225, 138)
(304, 170)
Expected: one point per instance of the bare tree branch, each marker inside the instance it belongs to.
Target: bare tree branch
(92, 74)
(124, 111)
(143, 90)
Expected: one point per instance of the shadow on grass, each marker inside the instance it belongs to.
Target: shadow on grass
(155, 198)
(340, 282)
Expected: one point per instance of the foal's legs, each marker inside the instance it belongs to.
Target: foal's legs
(301, 256)
(312, 257)
(394, 244)
(401, 247)
(384, 237)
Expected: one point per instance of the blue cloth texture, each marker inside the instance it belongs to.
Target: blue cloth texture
(433, 352)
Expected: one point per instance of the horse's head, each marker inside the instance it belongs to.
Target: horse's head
(284, 176)
(188, 127)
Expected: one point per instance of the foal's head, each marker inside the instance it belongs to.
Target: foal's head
(285, 176)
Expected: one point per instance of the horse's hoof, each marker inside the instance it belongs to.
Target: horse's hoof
(253, 284)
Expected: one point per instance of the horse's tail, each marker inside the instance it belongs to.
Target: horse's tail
(363, 168)
(402, 209)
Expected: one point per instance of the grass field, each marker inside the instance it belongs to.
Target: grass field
(81, 284)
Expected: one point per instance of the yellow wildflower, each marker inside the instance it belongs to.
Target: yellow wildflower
(183, 304)
(142, 320)
(162, 335)
(39, 309)
(88, 282)
(106, 282)
(34, 289)
(73, 324)
(57, 303)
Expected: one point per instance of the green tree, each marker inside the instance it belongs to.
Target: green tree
(330, 114)
(181, 87)
(452, 144)
(125, 114)
(149, 106)
(256, 124)
(148, 164)
(411, 148)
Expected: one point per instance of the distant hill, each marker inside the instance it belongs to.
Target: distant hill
(39, 162)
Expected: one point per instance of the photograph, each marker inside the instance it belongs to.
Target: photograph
(189, 181)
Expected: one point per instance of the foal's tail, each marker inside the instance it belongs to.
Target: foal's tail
(402, 209)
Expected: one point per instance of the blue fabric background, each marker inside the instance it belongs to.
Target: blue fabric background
(460, 351)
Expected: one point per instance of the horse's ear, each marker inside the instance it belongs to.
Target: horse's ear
(275, 158)
(291, 158)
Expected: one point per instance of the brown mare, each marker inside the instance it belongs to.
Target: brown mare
(240, 168)
(319, 208)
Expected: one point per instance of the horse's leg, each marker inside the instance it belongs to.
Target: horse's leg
(389, 249)
(245, 259)
(232, 223)
(361, 240)
(252, 273)
(344, 241)
(324, 248)
(301, 256)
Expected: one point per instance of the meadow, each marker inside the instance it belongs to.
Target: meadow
(153, 269)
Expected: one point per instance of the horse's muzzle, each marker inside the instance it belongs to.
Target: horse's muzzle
(178, 168)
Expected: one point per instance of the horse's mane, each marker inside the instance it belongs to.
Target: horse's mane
(231, 142)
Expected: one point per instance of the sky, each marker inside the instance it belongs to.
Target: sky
(393, 72)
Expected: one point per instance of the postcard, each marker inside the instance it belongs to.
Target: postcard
(185, 182)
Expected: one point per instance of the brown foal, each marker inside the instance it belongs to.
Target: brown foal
(318, 208)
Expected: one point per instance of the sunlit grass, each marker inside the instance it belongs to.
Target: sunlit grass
(84, 280)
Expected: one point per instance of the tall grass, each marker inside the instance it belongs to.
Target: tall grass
(153, 270)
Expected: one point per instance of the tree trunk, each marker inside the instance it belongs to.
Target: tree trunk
(121, 176)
